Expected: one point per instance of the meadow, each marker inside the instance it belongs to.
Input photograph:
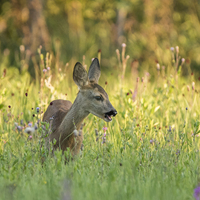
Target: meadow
(150, 150)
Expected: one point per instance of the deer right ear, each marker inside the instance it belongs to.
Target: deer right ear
(80, 75)
(94, 72)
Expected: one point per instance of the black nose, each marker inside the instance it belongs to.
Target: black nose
(112, 112)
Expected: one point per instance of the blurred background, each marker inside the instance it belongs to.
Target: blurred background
(73, 30)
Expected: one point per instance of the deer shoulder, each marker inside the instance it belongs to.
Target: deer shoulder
(56, 112)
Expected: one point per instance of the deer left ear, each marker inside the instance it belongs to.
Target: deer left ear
(94, 71)
(80, 75)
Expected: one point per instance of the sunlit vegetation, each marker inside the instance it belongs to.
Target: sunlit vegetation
(149, 151)
(149, 57)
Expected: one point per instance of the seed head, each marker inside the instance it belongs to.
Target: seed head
(123, 45)
(30, 130)
(158, 66)
(177, 49)
(22, 48)
(193, 85)
(4, 73)
(117, 51)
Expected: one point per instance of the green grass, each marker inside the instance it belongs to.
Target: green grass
(151, 150)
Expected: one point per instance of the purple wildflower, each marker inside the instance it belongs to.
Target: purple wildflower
(30, 124)
(105, 129)
(37, 109)
(197, 193)
(36, 127)
(21, 121)
(19, 128)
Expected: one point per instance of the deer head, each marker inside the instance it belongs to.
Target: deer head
(93, 97)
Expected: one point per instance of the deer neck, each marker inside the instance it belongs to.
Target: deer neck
(73, 118)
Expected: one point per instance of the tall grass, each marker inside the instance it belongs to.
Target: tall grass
(149, 151)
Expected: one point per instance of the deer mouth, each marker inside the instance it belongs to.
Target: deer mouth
(108, 116)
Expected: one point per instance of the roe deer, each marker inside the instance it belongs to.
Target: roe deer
(66, 116)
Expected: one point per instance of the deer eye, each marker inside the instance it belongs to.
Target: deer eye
(98, 98)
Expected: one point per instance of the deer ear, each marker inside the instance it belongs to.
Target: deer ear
(94, 71)
(80, 75)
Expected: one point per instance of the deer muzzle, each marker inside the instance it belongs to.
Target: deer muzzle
(110, 114)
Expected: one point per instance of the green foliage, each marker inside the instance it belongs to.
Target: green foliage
(150, 150)
(71, 29)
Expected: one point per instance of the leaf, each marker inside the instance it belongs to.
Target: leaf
(155, 110)
(156, 124)
(1, 106)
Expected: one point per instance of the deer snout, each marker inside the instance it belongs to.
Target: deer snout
(112, 113)
(108, 115)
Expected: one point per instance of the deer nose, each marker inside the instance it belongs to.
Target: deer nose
(114, 112)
